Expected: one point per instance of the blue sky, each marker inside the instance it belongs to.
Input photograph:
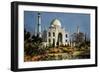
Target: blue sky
(69, 21)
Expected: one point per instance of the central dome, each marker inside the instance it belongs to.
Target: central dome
(56, 22)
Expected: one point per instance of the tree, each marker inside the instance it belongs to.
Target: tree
(37, 45)
(26, 35)
(78, 38)
(27, 43)
(37, 41)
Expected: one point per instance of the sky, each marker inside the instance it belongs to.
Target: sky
(69, 21)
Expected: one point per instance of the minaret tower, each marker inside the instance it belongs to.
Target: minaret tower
(39, 25)
(78, 29)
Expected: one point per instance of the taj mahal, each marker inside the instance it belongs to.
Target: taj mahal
(55, 34)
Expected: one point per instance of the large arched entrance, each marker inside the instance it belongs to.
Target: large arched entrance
(59, 39)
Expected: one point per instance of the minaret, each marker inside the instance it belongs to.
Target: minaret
(35, 32)
(39, 25)
(78, 29)
(85, 37)
(70, 38)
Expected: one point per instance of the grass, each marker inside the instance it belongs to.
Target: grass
(59, 54)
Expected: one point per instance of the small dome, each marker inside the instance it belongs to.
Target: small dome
(55, 22)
